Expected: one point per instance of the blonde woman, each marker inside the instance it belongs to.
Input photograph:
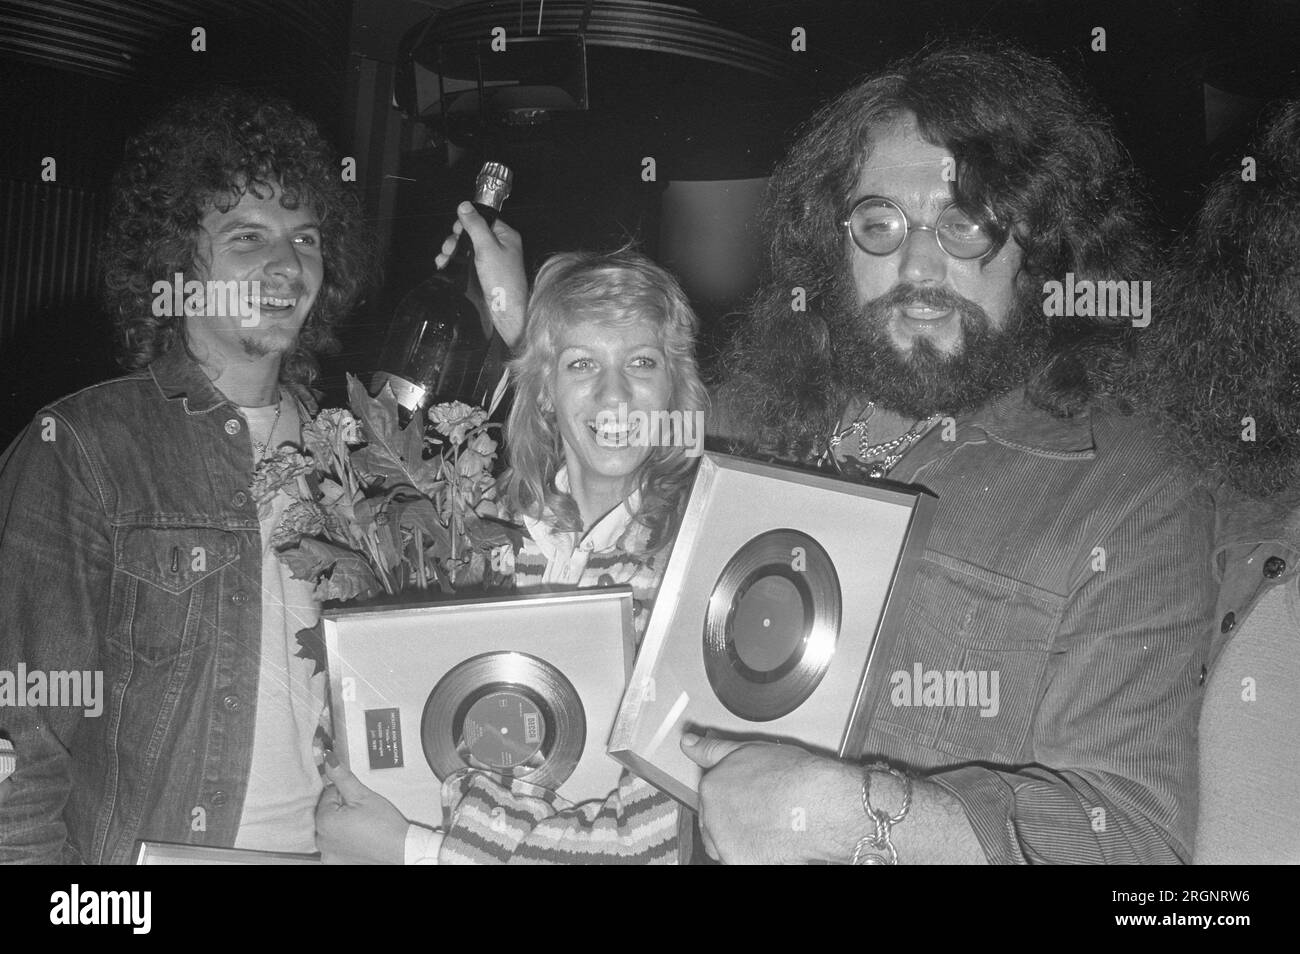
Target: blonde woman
(609, 341)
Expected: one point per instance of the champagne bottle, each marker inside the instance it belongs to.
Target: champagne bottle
(439, 346)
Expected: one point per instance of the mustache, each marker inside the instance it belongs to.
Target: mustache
(931, 296)
(874, 315)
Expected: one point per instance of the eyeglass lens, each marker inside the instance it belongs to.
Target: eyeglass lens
(879, 227)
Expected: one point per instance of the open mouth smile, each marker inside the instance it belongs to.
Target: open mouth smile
(272, 303)
(612, 434)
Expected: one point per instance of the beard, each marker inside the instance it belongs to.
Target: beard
(924, 381)
(255, 348)
(273, 342)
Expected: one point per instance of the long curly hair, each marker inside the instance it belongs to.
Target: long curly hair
(1224, 342)
(619, 288)
(206, 151)
(1027, 147)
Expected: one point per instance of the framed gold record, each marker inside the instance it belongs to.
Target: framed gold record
(522, 686)
(771, 625)
(783, 588)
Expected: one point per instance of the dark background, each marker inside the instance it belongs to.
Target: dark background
(1184, 81)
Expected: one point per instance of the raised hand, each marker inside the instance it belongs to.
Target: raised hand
(499, 263)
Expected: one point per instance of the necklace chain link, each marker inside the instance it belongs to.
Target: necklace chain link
(890, 452)
(261, 447)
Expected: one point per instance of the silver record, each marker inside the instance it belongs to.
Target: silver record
(458, 729)
(771, 626)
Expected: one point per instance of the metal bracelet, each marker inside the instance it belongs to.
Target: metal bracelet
(876, 848)
(866, 791)
(861, 856)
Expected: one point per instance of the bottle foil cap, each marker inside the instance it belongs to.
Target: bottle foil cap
(492, 187)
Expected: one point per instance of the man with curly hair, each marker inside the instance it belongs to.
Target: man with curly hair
(904, 332)
(1220, 367)
(133, 555)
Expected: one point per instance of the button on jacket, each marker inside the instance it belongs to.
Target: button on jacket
(1257, 548)
(1070, 560)
(129, 544)
(1250, 725)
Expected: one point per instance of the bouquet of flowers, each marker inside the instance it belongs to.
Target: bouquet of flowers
(375, 508)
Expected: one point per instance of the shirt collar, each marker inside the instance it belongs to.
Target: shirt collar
(603, 536)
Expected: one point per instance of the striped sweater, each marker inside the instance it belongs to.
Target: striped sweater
(495, 820)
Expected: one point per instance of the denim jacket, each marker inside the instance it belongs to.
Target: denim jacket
(1070, 560)
(129, 544)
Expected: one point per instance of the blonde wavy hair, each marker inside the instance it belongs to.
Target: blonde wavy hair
(615, 288)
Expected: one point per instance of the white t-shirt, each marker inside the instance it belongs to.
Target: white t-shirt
(284, 782)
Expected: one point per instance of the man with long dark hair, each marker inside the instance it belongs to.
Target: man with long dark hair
(1221, 369)
(138, 574)
(948, 240)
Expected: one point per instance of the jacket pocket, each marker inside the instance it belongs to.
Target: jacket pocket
(168, 585)
(967, 675)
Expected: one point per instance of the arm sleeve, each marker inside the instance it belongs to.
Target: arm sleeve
(1114, 734)
(56, 563)
(493, 820)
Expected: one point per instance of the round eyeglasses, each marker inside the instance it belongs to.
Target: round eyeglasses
(879, 227)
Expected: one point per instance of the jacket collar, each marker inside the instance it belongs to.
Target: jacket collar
(178, 375)
(1243, 521)
(1014, 421)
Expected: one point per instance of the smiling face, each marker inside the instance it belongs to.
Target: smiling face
(256, 240)
(919, 291)
(605, 371)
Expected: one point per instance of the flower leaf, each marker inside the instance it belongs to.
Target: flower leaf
(490, 532)
(413, 512)
(390, 452)
(311, 645)
(339, 573)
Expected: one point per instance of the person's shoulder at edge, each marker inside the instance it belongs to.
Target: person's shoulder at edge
(1243, 520)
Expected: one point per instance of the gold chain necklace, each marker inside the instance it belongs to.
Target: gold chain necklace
(892, 450)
